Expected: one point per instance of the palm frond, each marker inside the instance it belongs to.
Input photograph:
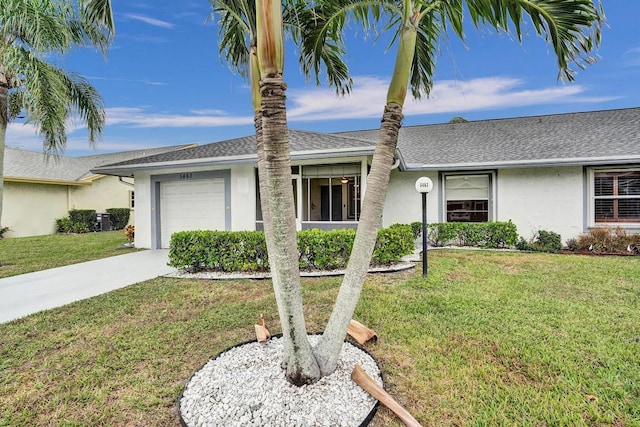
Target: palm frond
(236, 20)
(572, 27)
(321, 37)
(49, 96)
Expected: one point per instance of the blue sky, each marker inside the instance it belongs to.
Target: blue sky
(163, 82)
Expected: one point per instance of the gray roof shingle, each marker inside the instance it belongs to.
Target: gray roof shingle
(301, 142)
(33, 165)
(596, 137)
(574, 138)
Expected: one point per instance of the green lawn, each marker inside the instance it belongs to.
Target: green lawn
(490, 338)
(26, 254)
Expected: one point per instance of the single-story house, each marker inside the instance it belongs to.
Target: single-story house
(40, 188)
(564, 173)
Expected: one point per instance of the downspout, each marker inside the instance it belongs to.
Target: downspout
(130, 184)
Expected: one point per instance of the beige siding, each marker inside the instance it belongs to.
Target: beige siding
(31, 209)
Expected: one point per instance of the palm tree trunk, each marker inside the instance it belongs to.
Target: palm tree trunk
(301, 366)
(327, 352)
(328, 349)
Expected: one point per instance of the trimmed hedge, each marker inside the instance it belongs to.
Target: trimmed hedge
(119, 217)
(246, 251)
(78, 221)
(483, 234)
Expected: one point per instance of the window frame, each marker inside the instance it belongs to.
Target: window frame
(491, 197)
(592, 197)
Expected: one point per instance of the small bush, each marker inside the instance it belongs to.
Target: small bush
(484, 234)
(392, 244)
(543, 241)
(416, 229)
(119, 217)
(83, 218)
(607, 240)
(78, 221)
(572, 244)
(3, 230)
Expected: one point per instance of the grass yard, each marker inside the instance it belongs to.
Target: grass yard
(490, 338)
(27, 254)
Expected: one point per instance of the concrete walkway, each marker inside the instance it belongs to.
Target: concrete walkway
(29, 293)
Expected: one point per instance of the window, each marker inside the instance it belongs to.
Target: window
(467, 197)
(617, 196)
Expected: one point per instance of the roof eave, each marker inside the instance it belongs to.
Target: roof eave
(28, 180)
(414, 167)
(129, 170)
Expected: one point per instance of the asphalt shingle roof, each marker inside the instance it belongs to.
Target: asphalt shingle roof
(560, 138)
(301, 142)
(574, 138)
(33, 165)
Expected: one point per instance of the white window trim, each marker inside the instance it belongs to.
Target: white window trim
(493, 201)
(591, 198)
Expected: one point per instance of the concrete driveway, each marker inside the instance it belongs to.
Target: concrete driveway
(29, 293)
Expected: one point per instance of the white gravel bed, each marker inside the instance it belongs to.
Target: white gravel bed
(246, 386)
(221, 275)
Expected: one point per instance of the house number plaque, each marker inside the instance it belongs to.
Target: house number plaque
(186, 175)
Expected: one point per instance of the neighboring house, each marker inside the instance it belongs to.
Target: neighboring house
(564, 173)
(39, 188)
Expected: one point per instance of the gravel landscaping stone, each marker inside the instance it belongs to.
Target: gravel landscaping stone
(246, 386)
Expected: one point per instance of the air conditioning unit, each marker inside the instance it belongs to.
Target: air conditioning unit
(103, 222)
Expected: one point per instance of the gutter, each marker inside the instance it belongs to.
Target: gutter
(513, 164)
(45, 181)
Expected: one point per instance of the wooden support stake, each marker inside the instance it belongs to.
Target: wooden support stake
(374, 389)
(360, 333)
(262, 334)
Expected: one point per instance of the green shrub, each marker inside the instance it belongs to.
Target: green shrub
(325, 249)
(66, 225)
(80, 217)
(119, 217)
(543, 241)
(247, 251)
(392, 244)
(416, 229)
(218, 251)
(483, 234)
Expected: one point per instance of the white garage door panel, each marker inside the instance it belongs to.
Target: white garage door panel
(191, 205)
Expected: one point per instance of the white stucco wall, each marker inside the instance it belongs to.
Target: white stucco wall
(404, 204)
(550, 199)
(243, 191)
(31, 209)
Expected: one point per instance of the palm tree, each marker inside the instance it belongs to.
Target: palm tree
(30, 32)
(244, 26)
(571, 27)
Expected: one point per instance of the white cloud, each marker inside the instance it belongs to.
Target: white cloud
(367, 101)
(148, 20)
(140, 117)
(369, 94)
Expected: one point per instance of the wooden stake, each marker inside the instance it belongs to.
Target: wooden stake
(360, 333)
(374, 389)
(262, 334)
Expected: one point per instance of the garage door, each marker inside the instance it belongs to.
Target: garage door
(197, 204)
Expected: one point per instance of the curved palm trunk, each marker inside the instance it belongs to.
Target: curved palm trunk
(301, 366)
(327, 351)
(280, 225)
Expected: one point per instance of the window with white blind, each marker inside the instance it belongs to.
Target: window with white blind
(616, 196)
(467, 197)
